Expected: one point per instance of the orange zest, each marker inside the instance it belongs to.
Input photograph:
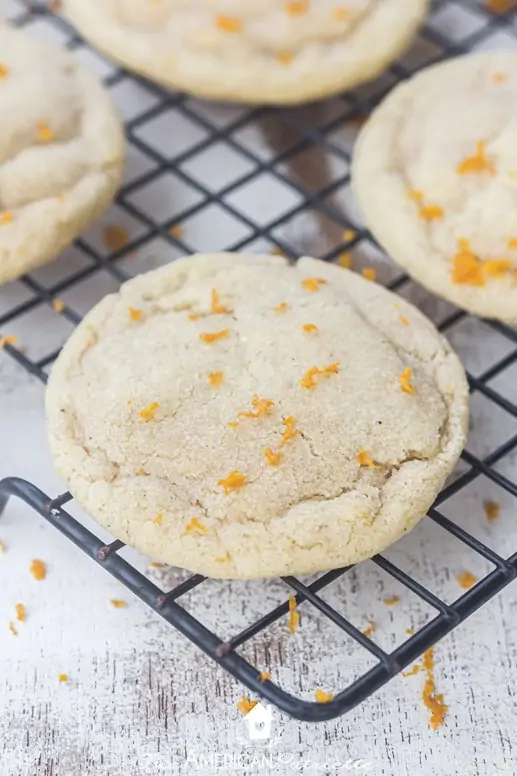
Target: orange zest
(297, 7)
(155, 564)
(262, 407)
(431, 212)
(58, 305)
(284, 57)
(370, 629)
(281, 308)
(21, 614)
(492, 510)
(245, 705)
(412, 671)
(216, 379)
(45, 134)
(391, 601)
(216, 307)
(290, 431)
(194, 526)
(158, 520)
(294, 615)
(496, 267)
(476, 163)
(310, 377)
(369, 273)
(466, 267)
(38, 570)
(410, 631)
(12, 629)
(149, 412)
(9, 340)
(322, 696)
(176, 230)
(134, 314)
(313, 284)
(264, 676)
(467, 580)
(6, 217)
(272, 458)
(433, 701)
(62, 678)
(345, 260)
(310, 328)
(499, 78)
(512, 243)
(117, 603)
(4, 71)
(228, 23)
(363, 459)
(349, 235)
(404, 379)
(214, 336)
(233, 481)
(500, 6)
(115, 237)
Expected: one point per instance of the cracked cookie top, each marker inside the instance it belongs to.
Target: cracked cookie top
(243, 417)
(435, 173)
(252, 51)
(61, 151)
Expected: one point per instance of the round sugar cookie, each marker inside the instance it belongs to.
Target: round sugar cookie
(61, 151)
(435, 174)
(252, 51)
(242, 417)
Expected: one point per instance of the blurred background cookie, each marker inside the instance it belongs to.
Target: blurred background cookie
(257, 51)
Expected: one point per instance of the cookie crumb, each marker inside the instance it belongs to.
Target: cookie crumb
(313, 284)
(310, 328)
(391, 601)
(309, 379)
(245, 705)
(264, 676)
(58, 305)
(476, 163)
(21, 613)
(115, 237)
(38, 570)
(294, 615)
(281, 308)
(290, 430)
(467, 580)
(135, 315)
(12, 629)
(149, 412)
(370, 629)
(233, 481)
(363, 459)
(404, 379)
(117, 603)
(272, 458)
(216, 379)
(214, 336)
(62, 678)
(9, 340)
(194, 525)
(492, 510)
(434, 702)
(322, 696)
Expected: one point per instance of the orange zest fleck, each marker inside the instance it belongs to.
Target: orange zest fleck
(155, 564)
(12, 629)
(4, 71)
(176, 230)
(496, 267)
(62, 678)
(416, 194)
(233, 481)
(430, 212)
(135, 315)
(412, 671)
(294, 615)
(403, 320)
(285, 57)
(345, 260)
(466, 267)
(115, 237)
(45, 134)
(467, 580)
(58, 305)
(297, 7)
(433, 701)
(310, 377)
(499, 78)
(194, 526)
(21, 614)
(363, 459)
(9, 340)
(322, 696)
(217, 308)
(369, 273)
(117, 603)
(492, 510)
(276, 251)
(264, 676)
(310, 328)
(6, 217)
(262, 407)
(313, 284)
(228, 23)
(272, 458)
(194, 317)
(149, 412)
(404, 379)
(391, 601)
(410, 631)
(349, 235)
(216, 379)
(158, 520)
(370, 629)
(281, 308)
(245, 705)
(290, 431)
(38, 570)
(476, 163)
(512, 243)
(233, 423)
(500, 6)
(341, 13)
(214, 336)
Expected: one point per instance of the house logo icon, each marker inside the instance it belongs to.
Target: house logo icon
(258, 721)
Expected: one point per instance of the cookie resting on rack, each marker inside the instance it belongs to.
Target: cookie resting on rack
(241, 417)
(251, 51)
(435, 173)
(61, 151)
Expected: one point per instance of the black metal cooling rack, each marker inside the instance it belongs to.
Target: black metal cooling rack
(481, 28)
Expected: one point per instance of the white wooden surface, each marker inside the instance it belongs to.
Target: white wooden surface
(141, 701)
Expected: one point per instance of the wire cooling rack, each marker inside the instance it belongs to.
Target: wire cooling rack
(265, 179)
